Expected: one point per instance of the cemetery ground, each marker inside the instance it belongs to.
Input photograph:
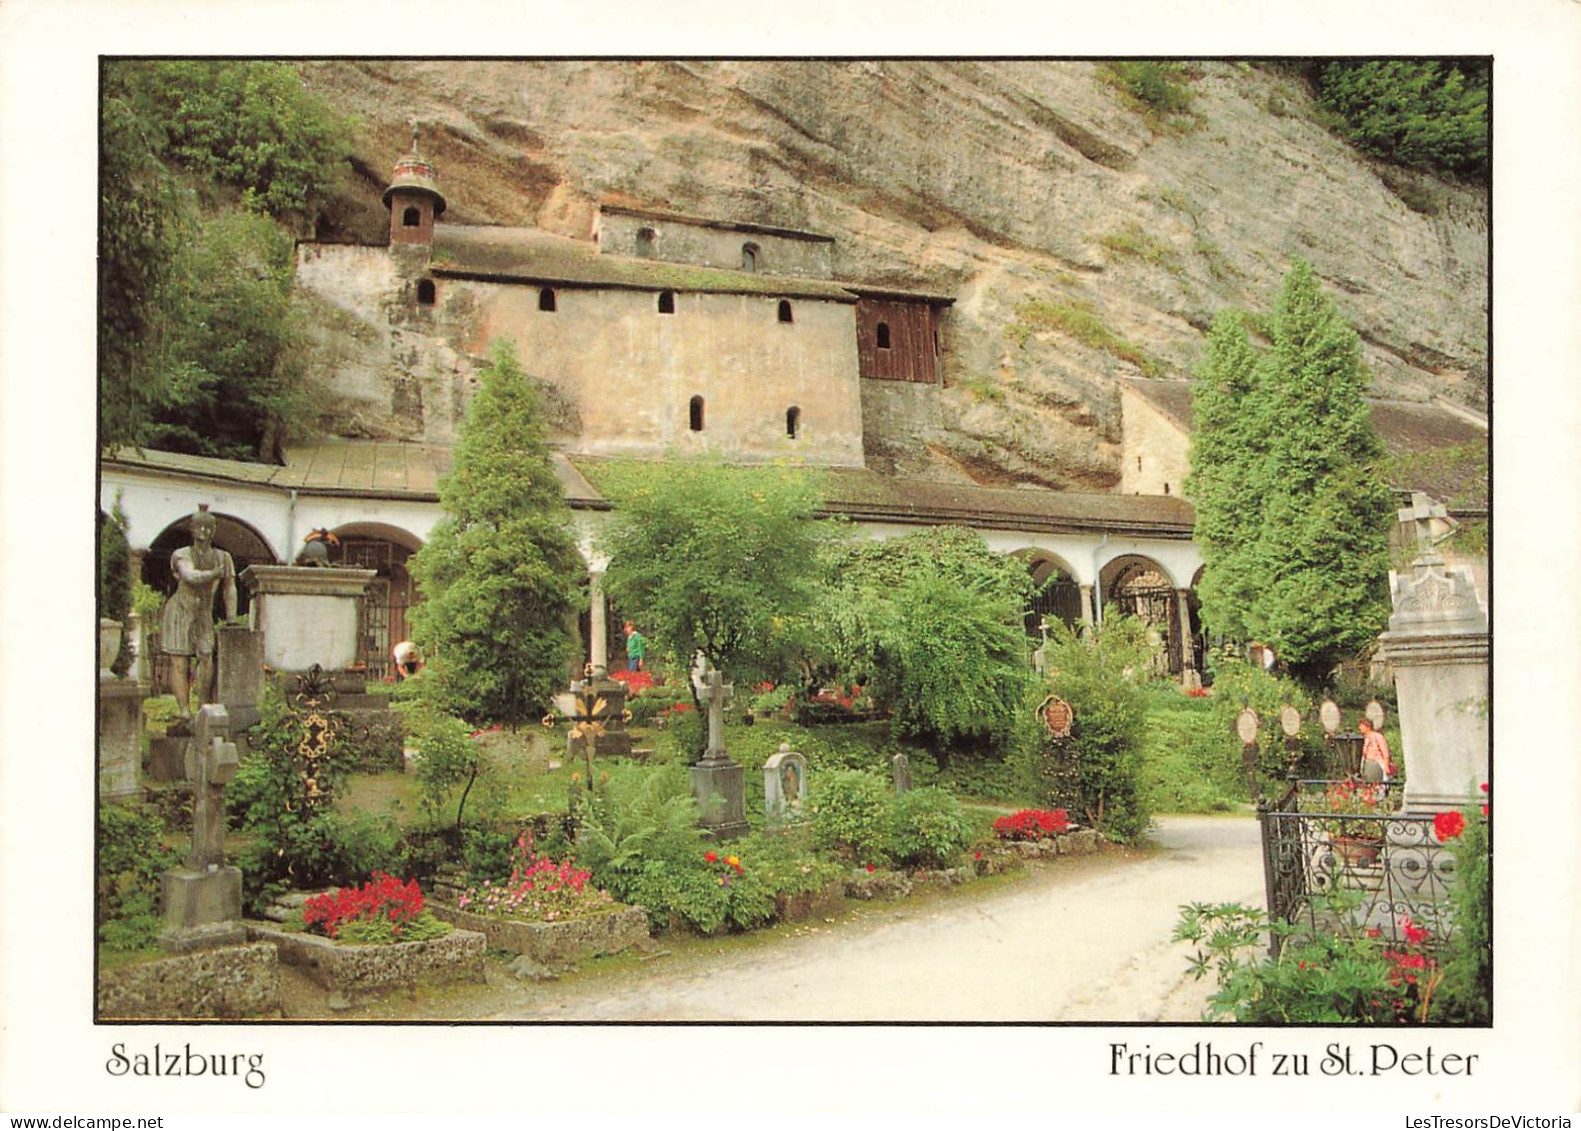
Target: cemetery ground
(1074, 937)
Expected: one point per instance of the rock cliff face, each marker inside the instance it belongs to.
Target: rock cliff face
(1082, 242)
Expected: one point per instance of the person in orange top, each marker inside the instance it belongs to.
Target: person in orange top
(1375, 763)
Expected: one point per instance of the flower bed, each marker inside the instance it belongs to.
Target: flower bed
(1032, 824)
(360, 942)
(547, 911)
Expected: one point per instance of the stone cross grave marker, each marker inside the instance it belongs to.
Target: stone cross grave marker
(718, 695)
(900, 772)
(202, 901)
(719, 782)
(211, 766)
(784, 782)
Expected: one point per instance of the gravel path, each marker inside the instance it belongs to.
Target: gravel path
(1085, 939)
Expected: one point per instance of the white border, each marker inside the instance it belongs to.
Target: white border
(51, 1058)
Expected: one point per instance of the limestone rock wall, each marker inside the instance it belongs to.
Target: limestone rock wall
(1082, 243)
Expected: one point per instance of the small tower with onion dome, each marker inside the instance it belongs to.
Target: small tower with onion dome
(414, 199)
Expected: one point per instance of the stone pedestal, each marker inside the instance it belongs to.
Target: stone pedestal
(202, 908)
(120, 733)
(720, 786)
(167, 758)
(308, 616)
(1438, 646)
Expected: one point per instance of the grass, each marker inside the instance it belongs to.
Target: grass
(1078, 320)
(1136, 243)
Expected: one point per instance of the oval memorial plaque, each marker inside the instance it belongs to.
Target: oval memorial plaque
(1375, 714)
(1246, 726)
(1290, 720)
(1329, 714)
(1057, 716)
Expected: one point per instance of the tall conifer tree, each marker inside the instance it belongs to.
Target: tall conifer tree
(500, 573)
(1292, 514)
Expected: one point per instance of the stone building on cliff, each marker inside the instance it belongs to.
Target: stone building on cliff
(657, 335)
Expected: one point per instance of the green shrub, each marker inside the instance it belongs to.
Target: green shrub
(928, 828)
(1158, 86)
(448, 762)
(1190, 765)
(133, 852)
(1238, 685)
(786, 862)
(1423, 114)
(1466, 995)
(1101, 679)
(850, 814)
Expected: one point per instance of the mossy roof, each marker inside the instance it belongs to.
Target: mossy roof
(530, 256)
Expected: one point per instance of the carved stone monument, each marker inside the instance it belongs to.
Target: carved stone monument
(308, 616)
(1438, 647)
(784, 783)
(718, 781)
(202, 900)
(900, 772)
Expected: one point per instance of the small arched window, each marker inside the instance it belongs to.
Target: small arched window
(546, 299)
(646, 238)
(883, 335)
(425, 292)
(411, 218)
(666, 302)
(749, 257)
(793, 422)
(695, 414)
(785, 311)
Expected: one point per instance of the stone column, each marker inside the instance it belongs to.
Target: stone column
(1438, 646)
(1190, 678)
(1086, 604)
(598, 625)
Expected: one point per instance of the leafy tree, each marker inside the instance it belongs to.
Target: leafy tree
(1292, 513)
(232, 363)
(194, 327)
(714, 559)
(1101, 678)
(249, 126)
(1423, 114)
(930, 624)
(144, 220)
(499, 573)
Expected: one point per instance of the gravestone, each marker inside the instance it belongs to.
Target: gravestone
(202, 900)
(240, 679)
(784, 783)
(120, 732)
(900, 772)
(1438, 647)
(718, 781)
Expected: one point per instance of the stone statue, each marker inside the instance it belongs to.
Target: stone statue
(186, 623)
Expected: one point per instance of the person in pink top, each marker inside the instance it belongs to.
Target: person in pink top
(1375, 763)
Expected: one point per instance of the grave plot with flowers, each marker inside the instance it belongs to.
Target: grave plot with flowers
(364, 941)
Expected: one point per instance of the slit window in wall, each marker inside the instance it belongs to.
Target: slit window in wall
(646, 238)
(749, 257)
(785, 311)
(411, 218)
(666, 302)
(546, 299)
(425, 292)
(695, 414)
(793, 422)
(883, 335)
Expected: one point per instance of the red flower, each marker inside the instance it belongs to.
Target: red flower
(1413, 934)
(711, 857)
(871, 868)
(1447, 826)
